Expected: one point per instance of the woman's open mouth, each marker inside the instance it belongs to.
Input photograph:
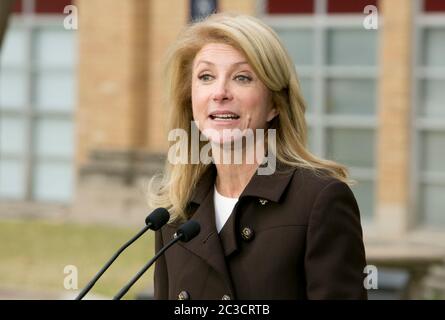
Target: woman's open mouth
(224, 116)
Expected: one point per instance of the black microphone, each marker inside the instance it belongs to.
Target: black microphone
(185, 233)
(154, 221)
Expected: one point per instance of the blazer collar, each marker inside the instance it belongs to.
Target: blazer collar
(207, 244)
(270, 187)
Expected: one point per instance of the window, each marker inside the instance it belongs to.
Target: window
(336, 61)
(37, 96)
(429, 113)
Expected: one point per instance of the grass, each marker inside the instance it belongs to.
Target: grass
(34, 253)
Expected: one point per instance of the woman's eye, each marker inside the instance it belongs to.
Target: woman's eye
(205, 77)
(243, 78)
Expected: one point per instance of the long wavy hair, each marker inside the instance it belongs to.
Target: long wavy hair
(274, 67)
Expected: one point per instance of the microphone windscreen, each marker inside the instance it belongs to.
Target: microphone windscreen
(157, 218)
(188, 230)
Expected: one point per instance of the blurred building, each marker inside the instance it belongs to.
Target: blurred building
(82, 123)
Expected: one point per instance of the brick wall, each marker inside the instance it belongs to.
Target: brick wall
(393, 143)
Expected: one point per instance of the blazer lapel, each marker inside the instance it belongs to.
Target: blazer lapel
(207, 244)
(261, 187)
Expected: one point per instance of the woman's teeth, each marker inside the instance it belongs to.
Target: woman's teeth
(224, 117)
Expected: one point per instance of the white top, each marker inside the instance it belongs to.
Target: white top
(223, 208)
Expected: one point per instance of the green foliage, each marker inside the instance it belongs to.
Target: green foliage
(34, 253)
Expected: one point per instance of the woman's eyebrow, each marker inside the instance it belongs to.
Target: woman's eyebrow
(211, 63)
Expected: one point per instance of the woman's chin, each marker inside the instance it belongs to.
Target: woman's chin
(223, 137)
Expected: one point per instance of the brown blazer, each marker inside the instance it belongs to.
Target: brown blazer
(292, 235)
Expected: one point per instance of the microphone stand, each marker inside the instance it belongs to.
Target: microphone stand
(114, 257)
(125, 289)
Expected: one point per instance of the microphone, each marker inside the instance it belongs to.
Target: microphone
(154, 221)
(185, 233)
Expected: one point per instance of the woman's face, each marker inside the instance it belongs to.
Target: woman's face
(227, 94)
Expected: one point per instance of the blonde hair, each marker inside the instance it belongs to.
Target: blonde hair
(272, 64)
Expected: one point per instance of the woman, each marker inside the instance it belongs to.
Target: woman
(290, 232)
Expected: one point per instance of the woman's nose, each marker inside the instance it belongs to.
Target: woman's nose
(222, 91)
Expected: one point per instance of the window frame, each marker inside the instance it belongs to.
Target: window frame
(419, 124)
